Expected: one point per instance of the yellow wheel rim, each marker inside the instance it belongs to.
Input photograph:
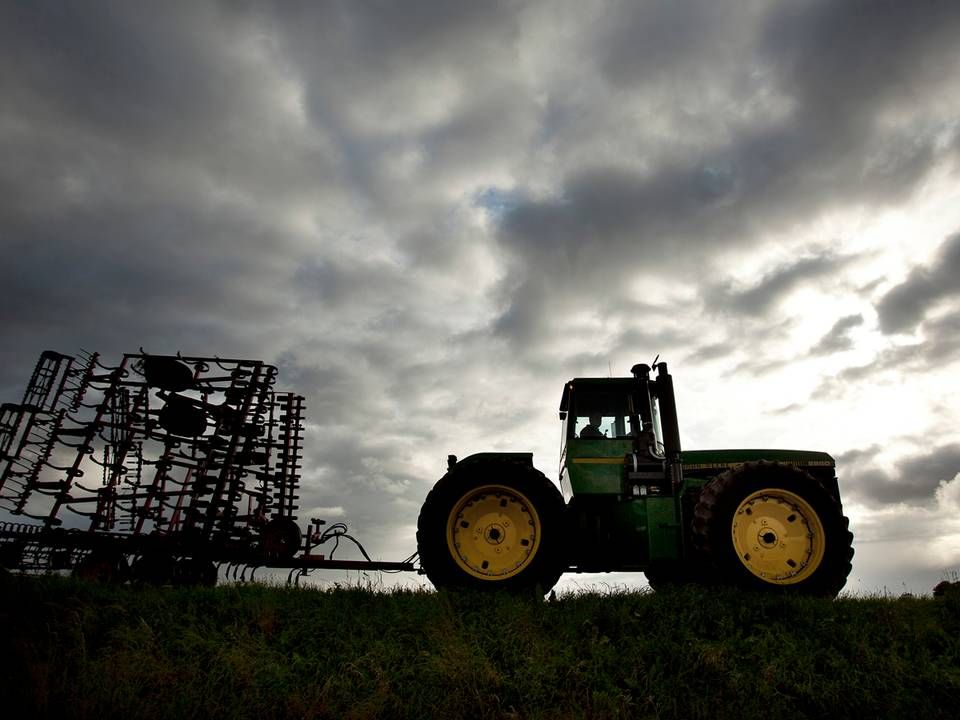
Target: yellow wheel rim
(778, 536)
(493, 532)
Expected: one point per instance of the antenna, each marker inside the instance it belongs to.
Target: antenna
(609, 368)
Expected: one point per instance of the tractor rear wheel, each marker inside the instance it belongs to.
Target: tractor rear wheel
(492, 526)
(773, 526)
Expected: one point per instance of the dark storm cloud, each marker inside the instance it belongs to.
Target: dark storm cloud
(613, 220)
(113, 68)
(183, 86)
(375, 37)
(609, 227)
(381, 80)
(905, 305)
(839, 68)
(913, 479)
(659, 39)
(848, 60)
(115, 277)
(135, 159)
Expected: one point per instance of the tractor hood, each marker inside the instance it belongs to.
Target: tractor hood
(719, 459)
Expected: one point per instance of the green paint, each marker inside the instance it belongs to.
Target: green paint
(592, 478)
(700, 457)
(663, 528)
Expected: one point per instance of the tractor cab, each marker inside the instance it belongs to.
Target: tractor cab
(613, 428)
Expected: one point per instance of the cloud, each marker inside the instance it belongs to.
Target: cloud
(908, 548)
(912, 479)
(811, 137)
(901, 308)
(838, 339)
(657, 42)
(774, 286)
(938, 348)
(326, 512)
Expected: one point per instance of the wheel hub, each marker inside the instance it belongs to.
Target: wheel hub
(493, 532)
(767, 538)
(778, 536)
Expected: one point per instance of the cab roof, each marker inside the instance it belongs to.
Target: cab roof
(610, 383)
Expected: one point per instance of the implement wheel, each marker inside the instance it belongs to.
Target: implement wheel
(773, 526)
(102, 565)
(492, 526)
(154, 567)
(194, 571)
(280, 539)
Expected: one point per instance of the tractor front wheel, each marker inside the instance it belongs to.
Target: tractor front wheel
(492, 526)
(773, 526)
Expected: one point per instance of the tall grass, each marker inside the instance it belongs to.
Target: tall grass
(76, 650)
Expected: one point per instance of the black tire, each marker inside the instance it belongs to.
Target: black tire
(281, 539)
(154, 567)
(660, 579)
(526, 535)
(691, 571)
(11, 554)
(189, 571)
(783, 511)
(102, 565)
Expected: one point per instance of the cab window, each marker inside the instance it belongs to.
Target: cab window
(601, 415)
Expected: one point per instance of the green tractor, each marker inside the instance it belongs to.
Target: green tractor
(632, 501)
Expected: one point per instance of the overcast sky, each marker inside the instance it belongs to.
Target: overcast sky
(430, 215)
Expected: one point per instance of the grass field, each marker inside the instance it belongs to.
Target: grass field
(74, 650)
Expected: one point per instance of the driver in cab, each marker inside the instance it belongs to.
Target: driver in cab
(592, 430)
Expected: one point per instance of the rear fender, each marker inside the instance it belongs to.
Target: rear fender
(492, 458)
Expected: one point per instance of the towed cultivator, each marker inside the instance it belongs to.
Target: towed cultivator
(161, 469)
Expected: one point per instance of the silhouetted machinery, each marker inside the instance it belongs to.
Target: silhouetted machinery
(632, 501)
(160, 469)
(164, 467)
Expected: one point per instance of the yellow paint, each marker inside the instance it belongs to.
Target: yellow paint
(778, 536)
(493, 532)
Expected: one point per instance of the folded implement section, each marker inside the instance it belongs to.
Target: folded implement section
(158, 468)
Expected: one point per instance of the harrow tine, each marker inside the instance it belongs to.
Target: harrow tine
(105, 442)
